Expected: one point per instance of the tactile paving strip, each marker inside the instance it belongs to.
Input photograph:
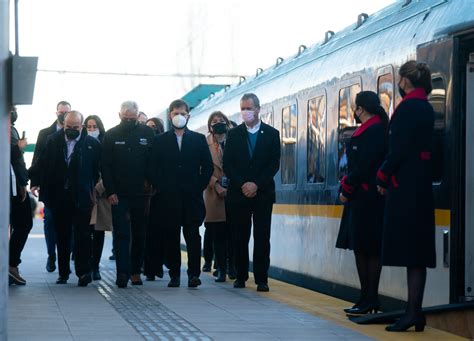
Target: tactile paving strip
(150, 318)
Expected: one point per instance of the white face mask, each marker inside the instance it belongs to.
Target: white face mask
(247, 116)
(179, 121)
(94, 133)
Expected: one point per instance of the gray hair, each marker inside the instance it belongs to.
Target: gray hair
(130, 106)
(252, 97)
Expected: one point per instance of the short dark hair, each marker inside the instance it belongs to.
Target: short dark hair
(63, 103)
(178, 103)
(253, 97)
(419, 74)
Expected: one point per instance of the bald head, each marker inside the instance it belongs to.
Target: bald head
(73, 121)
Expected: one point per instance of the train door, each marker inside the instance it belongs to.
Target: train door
(469, 202)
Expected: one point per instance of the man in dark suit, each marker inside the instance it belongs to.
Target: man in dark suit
(181, 168)
(67, 172)
(49, 232)
(251, 160)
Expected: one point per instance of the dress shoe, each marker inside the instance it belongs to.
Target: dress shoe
(159, 273)
(220, 277)
(347, 310)
(404, 323)
(51, 264)
(174, 282)
(14, 276)
(136, 279)
(112, 257)
(84, 280)
(263, 287)
(239, 284)
(122, 280)
(215, 273)
(96, 275)
(194, 282)
(363, 309)
(231, 274)
(207, 267)
(62, 280)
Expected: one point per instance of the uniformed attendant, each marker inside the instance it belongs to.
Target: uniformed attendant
(362, 219)
(406, 178)
(125, 157)
(180, 171)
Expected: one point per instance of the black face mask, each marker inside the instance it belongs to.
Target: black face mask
(357, 119)
(13, 116)
(219, 128)
(401, 91)
(128, 125)
(72, 134)
(61, 117)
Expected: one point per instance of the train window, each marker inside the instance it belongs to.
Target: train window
(385, 91)
(266, 115)
(288, 149)
(347, 123)
(437, 99)
(316, 158)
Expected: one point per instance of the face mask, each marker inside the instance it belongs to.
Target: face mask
(94, 133)
(248, 116)
(179, 121)
(219, 128)
(72, 134)
(13, 116)
(401, 91)
(128, 125)
(61, 117)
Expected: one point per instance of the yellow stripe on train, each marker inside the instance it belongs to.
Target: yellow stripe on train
(442, 217)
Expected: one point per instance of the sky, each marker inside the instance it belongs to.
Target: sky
(201, 37)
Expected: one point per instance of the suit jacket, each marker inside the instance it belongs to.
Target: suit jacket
(180, 176)
(215, 204)
(260, 168)
(42, 139)
(51, 171)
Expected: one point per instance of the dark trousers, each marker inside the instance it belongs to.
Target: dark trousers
(49, 232)
(154, 243)
(241, 223)
(128, 218)
(208, 247)
(97, 247)
(71, 220)
(220, 240)
(21, 223)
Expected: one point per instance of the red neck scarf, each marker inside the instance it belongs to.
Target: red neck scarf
(370, 122)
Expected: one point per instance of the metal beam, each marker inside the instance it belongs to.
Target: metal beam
(4, 164)
(164, 75)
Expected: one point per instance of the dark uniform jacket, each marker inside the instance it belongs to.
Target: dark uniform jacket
(17, 160)
(125, 158)
(51, 171)
(362, 218)
(240, 168)
(409, 226)
(41, 140)
(181, 176)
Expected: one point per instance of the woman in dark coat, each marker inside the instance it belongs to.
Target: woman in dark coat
(405, 177)
(362, 219)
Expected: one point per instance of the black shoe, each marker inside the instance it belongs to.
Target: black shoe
(263, 287)
(51, 264)
(84, 280)
(62, 280)
(239, 284)
(122, 280)
(112, 257)
(96, 275)
(207, 267)
(220, 277)
(159, 273)
(150, 278)
(136, 279)
(194, 282)
(405, 323)
(363, 309)
(174, 282)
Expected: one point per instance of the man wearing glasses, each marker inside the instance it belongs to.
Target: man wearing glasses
(49, 233)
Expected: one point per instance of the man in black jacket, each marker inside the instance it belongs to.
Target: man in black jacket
(21, 220)
(181, 168)
(125, 157)
(49, 232)
(67, 172)
(251, 160)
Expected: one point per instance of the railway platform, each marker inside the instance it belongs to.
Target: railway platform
(43, 310)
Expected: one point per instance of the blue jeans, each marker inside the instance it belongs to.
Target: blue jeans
(128, 218)
(49, 232)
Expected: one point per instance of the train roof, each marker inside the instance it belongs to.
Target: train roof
(456, 14)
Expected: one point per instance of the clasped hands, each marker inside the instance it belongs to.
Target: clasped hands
(249, 189)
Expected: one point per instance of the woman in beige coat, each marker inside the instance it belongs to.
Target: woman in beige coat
(214, 195)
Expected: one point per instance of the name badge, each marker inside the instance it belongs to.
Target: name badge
(119, 142)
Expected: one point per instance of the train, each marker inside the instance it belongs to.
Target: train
(309, 97)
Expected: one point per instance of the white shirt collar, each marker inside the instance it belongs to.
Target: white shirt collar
(255, 128)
